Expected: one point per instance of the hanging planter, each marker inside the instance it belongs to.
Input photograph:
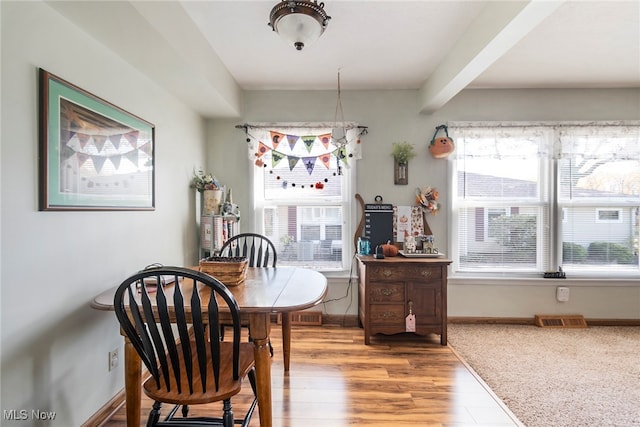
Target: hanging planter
(402, 152)
(441, 146)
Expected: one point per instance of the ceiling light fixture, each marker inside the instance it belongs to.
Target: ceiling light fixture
(299, 22)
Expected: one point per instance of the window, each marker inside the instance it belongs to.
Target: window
(303, 187)
(530, 198)
(608, 215)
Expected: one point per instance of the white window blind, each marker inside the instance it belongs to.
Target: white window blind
(304, 180)
(530, 198)
(599, 192)
(501, 202)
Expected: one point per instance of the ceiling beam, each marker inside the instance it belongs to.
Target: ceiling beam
(497, 29)
(161, 40)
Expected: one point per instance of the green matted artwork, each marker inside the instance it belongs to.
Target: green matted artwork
(93, 155)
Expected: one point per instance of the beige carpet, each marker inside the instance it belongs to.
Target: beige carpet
(557, 377)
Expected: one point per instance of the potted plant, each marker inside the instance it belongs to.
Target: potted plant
(208, 185)
(402, 152)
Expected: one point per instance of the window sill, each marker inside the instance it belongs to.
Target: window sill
(502, 280)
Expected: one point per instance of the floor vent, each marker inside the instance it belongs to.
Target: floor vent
(560, 321)
(306, 318)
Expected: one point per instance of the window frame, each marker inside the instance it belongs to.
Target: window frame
(345, 202)
(557, 211)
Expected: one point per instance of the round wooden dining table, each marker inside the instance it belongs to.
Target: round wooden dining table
(265, 291)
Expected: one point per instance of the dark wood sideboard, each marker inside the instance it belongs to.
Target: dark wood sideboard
(389, 287)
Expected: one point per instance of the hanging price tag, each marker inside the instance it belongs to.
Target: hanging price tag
(410, 320)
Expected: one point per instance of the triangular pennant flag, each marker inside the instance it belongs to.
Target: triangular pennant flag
(98, 141)
(276, 137)
(98, 162)
(132, 156)
(262, 148)
(293, 139)
(83, 138)
(65, 136)
(326, 160)
(132, 138)
(340, 153)
(81, 158)
(308, 141)
(146, 149)
(325, 139)
(115, 140)
(66, 153)
(309, 163)
(292, 161)
(276, 156)
(115, 160)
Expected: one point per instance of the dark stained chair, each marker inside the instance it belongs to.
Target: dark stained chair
(260, 252)
(258, 249)
(188, 362)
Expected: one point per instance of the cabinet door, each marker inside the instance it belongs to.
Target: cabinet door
(425, 299)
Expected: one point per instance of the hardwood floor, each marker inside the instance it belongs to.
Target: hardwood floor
(335, 380)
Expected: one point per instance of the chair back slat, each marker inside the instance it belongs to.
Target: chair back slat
(168, 340)
(141, 342)
(151, 323)
(152, 329)
(183, 332)
(199, 335)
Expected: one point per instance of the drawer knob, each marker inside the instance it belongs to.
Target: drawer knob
(426, 273)
(386, 292)
(387, 273)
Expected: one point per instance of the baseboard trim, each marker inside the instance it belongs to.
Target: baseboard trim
(346, 320)
(531, 321)
(105, 413)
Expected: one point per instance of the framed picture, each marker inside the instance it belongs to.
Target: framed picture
(93, 155)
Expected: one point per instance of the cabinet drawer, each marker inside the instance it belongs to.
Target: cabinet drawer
(405, 271)
(386, 292)
(387, 314)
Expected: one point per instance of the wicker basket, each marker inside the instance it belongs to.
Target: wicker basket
(232, 271)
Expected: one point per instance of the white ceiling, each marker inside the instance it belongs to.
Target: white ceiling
(208, 52)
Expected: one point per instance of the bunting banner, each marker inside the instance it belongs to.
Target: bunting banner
(100, 148)
(307, 146)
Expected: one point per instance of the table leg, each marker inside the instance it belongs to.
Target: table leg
(286, 339)
(132, 379)
(259, 324)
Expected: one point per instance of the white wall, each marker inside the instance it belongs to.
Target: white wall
(54, 346)
(392, 116)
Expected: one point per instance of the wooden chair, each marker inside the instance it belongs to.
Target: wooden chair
(260, 252)
(189, 364)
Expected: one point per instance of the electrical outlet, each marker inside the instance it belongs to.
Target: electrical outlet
(114, 360)
(562, 294)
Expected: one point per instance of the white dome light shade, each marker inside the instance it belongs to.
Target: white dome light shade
(299, 22)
